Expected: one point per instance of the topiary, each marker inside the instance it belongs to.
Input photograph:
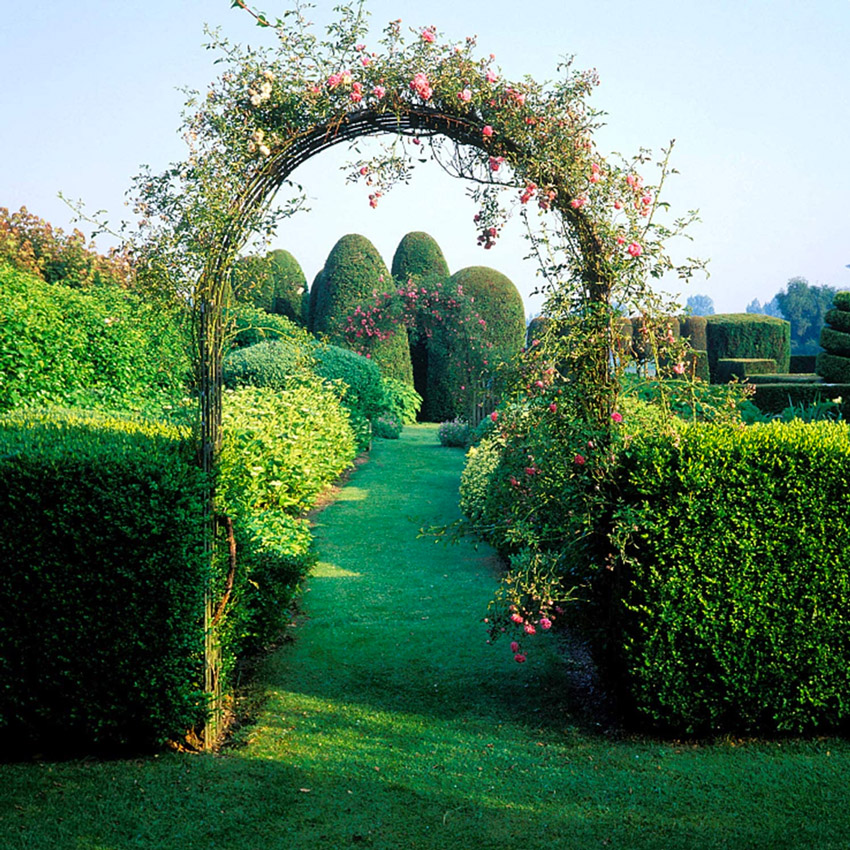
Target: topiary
(833, 363)
(747, 335)
(290, 284)
(418, 257)
(353, 273)
(493, 300)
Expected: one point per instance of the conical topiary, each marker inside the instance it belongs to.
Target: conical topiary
(354, 272)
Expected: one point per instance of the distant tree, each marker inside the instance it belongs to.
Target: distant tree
(769, 308)
(805, 306)
(701, 305)
(754, 306)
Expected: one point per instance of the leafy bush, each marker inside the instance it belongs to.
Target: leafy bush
(726, 605)
(361, 376)
(454, 434)
(274, 283)
(401, 401)
(774, 398)
(99, 347)
(266, 364)
(834, 368)
(251, 325)
(353, 272)
(281, 449)
(387, 427)
(729, 368)
(103, 576)
(835, 341)
(838, 319)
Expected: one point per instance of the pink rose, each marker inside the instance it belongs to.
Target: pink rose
(579, 460)
(545, 623)
(494, 416)
(634, 249)
(553, 407)
(429, 36)
(616, 417)
(514, 647)
(487, 131)
(519, 658)
(679, 368)
(516, 618)
(465, 95)
(379, 92)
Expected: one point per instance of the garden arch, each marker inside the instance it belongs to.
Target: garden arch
(272, 111)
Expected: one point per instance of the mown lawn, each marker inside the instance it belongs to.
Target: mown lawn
(389, 723)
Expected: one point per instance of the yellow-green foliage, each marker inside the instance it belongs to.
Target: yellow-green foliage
(97, 347)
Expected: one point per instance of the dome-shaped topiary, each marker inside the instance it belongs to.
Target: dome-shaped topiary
(353, 273)
(492, 297)
(274, 283)
(833, 363)
(309, 303)
(418, 257)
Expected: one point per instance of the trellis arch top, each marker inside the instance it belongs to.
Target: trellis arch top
(274, 109)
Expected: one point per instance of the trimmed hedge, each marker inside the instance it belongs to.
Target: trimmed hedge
(353, 272)
(730, 612)
(742, 367)
(418, 255)
(838, 319)
(266, 364)
(802, 364)
(747, 335)
(774, 398)
(694, 329)
(841, 300)
(103, 576)
(274, 283)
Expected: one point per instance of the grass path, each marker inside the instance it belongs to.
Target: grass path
(389, 723)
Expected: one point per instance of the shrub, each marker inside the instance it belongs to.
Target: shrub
(266, 364)
(103, 577)
(694, 329)
(401, 400)
(364, 391)
(774, 398)
(841, 300)
(250, 325)
(353, 272)
(726, 609)
(454, 434)
(835, 342)
(749, 335)
(802, 364)
(838, 319)
(386, 427)
(313, 297)
(99, 347)
(834, 368)
(282, 448)
(729, 368)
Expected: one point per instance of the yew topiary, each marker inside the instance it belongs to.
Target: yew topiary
(494, 300)
(833, 363)
(274, 283)
(353, 273)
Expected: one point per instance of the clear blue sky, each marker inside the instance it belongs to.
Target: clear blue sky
(755, 92)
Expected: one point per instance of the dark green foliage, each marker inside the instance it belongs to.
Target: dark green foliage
(454, 434)
(805, 307)
(841, 300)
(834, 368)
(312, 301)
(100, 347)
(266, 364)
(835, 341)
(353, 272)
(274, 283)
(493, 298)
(838, 319)
(418, 256)
(774, 398)
(641, 345)
(103, 576)
(729, 612)
(802, 363)
(742, 367)
(694, 329)
(747, 335)
(697, 365)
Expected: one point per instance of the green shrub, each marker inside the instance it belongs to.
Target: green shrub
(454, 434)
(98, 347)
(250, 325)
(729, 368)
(834, 368)
(748, 335)
(536, 330)
(387, 427)
(103, 577)
(835, 342)
(693, 328)
(353, 272)
(774, 398)
(838, 319)
(313, 297)
(274, 283)
(401, 400)
(282, 448)
(841, 300)
(266, 364)
(802, 364)
(478, 484)
(728, 611)
(364, 390)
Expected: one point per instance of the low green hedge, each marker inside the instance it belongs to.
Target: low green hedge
(736, 335)
(742, 367)
(774, 398)
(802, 364)
(728, 610)
(401, 401)
(103, 570)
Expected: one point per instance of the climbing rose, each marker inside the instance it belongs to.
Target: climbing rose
(579, 460)
(616, 417)
(529, 629)
(514, 647)
(465, 95)
(429, 36)
(516, 618)
(334, 80)
(679, 368)
(553, 407)
(379, 92)
(545, 623)
(519, 658)
(487, 131)
(491, 76)
(494, 416)
(634, 249)
(421, 86)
